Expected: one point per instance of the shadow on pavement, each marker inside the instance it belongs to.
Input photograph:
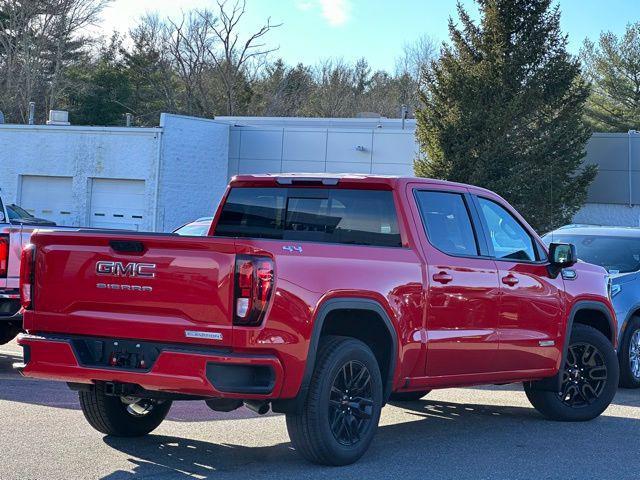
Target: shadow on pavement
(459, 440)
(15, 388)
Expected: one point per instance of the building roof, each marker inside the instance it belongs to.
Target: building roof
(381, 123)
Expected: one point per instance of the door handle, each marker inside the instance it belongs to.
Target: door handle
(442, 277)
(510, 280)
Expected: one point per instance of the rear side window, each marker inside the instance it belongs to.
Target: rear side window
(447, 222)
(358, 217)
(253, 212)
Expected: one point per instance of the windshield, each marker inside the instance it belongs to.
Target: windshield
(16, 212)
(194, 229)
(616, 254)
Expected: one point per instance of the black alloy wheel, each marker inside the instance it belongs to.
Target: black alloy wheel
(584, 377)
(351, 403)
(586, 383)
(337, 418)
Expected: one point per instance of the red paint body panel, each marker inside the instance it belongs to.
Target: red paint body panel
(473, 329)
(174, 371)
(531, 311)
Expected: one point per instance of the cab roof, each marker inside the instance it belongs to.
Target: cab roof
(351, 179)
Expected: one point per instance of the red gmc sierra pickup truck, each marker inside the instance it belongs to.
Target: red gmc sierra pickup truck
(320, 297)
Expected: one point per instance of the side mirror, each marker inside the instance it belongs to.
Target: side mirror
(561, 255)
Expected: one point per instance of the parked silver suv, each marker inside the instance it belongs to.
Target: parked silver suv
(618, 250)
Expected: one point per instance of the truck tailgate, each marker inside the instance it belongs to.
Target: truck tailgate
(139, 286)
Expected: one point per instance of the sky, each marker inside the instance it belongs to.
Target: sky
(313, 30)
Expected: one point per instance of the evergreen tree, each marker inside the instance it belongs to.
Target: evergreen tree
(613, 67)
(153, 83)
(103, 91)
(503, 109)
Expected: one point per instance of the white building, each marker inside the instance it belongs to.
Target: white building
(159, 178)
(354, 145)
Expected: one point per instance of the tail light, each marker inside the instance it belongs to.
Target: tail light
(253, 287)
(27, 269)
(4, 256)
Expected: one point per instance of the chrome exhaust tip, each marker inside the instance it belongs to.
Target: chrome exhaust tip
(259, 406)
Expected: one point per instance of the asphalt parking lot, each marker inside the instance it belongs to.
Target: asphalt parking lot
(475, 433)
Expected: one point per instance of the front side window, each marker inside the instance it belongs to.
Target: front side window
(358, 217)
(509, 239)
(447, 222)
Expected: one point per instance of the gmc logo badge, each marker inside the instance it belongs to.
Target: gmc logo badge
(119, 269)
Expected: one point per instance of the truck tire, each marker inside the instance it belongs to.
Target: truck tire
(408, 396)
(589, 379)
(8, 332)
(340, 414)
(112, 416)
(629, 355)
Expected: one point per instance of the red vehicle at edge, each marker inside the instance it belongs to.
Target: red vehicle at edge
(321, 297)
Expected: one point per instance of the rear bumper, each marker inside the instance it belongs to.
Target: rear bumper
(189, 371)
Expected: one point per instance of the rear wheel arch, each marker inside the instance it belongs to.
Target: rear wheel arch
(346, 317)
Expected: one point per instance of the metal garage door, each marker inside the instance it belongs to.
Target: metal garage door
(117, 204)
(48, 197)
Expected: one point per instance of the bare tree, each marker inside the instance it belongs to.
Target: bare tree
(38, 38)
(190, 43)
(412, 66)
(23, 28)
(334, 94)
(416, 57)
(70, 18)
(236, 59)
(202, 63)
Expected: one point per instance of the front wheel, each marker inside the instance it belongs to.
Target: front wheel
(341, 412)
(589, 379)
(122, 416)
(629, 355)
